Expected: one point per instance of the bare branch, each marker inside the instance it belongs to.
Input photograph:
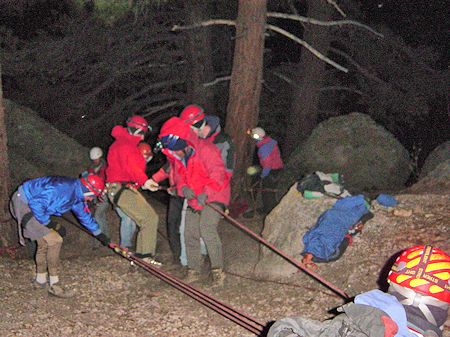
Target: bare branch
(285, 78)
(156, 109)
(271, 27)
(217, 80)
(322, 23)
(334, 87)
(307, 46)
(294, 10)
(359, 67)
(342, 88)
(336, 6)
(205, 24)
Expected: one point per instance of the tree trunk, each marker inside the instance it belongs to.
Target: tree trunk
(201, 70)
(6, 226)
(310, 74)
(245, 84)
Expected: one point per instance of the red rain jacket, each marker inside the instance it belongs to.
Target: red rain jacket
(125, 161)
(205, 170)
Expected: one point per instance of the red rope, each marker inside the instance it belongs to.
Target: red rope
(11, 251)
(221, 308)
(282, 254)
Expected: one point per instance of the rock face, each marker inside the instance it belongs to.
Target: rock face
(36, 148)
(369, 157)
(284, 227)
(439, 155)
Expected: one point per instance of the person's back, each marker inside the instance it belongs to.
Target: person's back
(125, 162)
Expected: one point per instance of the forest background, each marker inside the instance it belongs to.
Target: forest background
(85, 65)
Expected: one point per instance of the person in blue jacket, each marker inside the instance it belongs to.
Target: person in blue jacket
(33, 204)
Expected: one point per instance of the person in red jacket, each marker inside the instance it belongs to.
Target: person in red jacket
(124, 175)
(271, 163)
(203, 180)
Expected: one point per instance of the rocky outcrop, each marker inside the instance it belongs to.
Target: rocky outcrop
(440, 155)
(368, 156)
(285, 226)
(35, 148)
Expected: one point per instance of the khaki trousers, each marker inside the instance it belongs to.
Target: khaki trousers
(47, 253)
(134, 204)
(203, 224)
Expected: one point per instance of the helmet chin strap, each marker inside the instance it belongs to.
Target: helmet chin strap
(420, 301)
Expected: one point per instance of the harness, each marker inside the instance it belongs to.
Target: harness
(115, 196)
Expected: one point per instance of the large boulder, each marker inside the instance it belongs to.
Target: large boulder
(436, 181)
(439, 155)
(284, 227)
(368, 156)
(35, 148)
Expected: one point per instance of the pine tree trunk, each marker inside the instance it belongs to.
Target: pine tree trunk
(199, 52)
(245, 85)
(310, 74)
(7, 229)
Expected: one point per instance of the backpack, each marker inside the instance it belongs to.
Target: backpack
(356, 320)
(331, 184)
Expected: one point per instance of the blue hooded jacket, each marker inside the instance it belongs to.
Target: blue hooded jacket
(53, 195)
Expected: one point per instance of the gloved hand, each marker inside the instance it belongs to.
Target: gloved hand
(151, 185)
(103, 239)
(252, 170)
(188, 193)
(172, 191)
(202, 199)
(56, 226)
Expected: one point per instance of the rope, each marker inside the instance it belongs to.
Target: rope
(221, 308)
(282, 254)
(234, 315)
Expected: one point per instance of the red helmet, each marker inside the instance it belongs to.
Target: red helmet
(145, 150)
(425, 270)
(192, 114)
(138, 122)
(94, 183)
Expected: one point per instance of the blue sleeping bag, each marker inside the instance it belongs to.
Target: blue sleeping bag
(327, 234)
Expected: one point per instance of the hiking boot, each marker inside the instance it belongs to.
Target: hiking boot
(192, 276)
(59, 291)
(148, 258)
(218, 277)
(39, 286)
(152, 261)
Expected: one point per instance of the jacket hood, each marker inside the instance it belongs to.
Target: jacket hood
(176, 126)
(120, 133)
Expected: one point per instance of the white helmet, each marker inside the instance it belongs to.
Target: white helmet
(95, 153)
(258, 133)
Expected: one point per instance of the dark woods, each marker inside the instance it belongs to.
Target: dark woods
(84, 66)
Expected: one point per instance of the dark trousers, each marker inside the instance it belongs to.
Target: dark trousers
(269, 196)
(173, 225)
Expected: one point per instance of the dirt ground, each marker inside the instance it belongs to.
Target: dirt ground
(116, 299)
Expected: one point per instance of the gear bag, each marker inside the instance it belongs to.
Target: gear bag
(331, 184)
(356, 320)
